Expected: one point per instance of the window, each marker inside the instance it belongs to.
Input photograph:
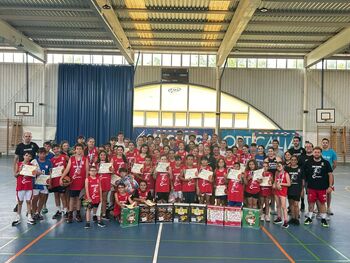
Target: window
(78, 59)
(252, 63)
(8, 57)
(157, 59)
(262, 63)
(147, 59)
(281, 63)
(194, 60)
(331, 64)
(182, 105)
(108, 59)
(86, 59)
(212, 61)
(152, 119)
(18, 57)
(242, 63)
(68, 59)
(167, 119)
(195, 119)
(57, 58)
(180, 119)
(203, 60)
(97, 59)
(176, 60)
(232, 62)
(271, 63)
(291, 63)
(118, 60)
(341, 64)
(186, 60)
(166, 59)
(1, 57)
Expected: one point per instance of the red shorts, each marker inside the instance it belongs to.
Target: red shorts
(266, 191)
(317, 195)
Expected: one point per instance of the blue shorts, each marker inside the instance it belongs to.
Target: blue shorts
(234, 203)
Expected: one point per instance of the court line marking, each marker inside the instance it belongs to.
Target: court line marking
(86, 255)
(325, 242)
(156, 249)
(7, 226)
(33, 242)
(274, 240)
(303, 245)
(16, 237)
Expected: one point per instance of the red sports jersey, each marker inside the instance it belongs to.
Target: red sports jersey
(205, 187)
(230, 163)
(143, 195)
(281, 178)
(148, 177)
(176, 178)
(94, 189)
(105, 180)
(244, 158)
(131, 157)
(266, 190)
(139, 159)
(182, 154)
(253, 187)
(122, 199)
(235, 191)
(60, 160)
(172, 163)
(189, 186)
(162, 183)
(118, 162)
(23, 182)
(77, 173)
(92, 155)
(220, 176)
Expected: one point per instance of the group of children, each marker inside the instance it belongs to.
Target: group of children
(158, 170)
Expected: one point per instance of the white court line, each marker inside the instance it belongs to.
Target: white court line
(155, 255)
(16, 237)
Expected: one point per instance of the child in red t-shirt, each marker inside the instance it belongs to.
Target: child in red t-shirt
(252, 187)
(189, 184)
(220, 175)
(105, 181)
(265, 194)
(235, 188)
(163, 183)
(281, 184)
(24, 189)
(176, 182)
(93, 195)
(204, 187)
(122, 198)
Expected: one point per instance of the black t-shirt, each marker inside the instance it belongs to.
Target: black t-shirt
(297, 152)
(272, 165)
(22, 149)
(136, 195)
(304, 158)
(296, 180)
(316, 174)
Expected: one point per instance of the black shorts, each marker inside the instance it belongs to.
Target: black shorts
(294, 197)
(58, 189)
(189, 197)
(94, 205)
(221, 197)
(248, 195)
(74, 193)
(162, 196)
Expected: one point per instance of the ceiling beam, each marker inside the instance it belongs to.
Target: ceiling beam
(336, 43)
(172, 11)
(306, 13)
(298, 23)
(113, 26)
(243, 14)
(50, 18)
(20, 41)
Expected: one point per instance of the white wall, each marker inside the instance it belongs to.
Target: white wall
(276, 92)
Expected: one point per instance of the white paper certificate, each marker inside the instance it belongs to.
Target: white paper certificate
(242, 168)
(220, 190)
(233, 174)
(136, 168)
(57, 171)
(27, 170)
(42, 179)
(162, 167)
(205, 174)
(104, 168)
(115, 179)
(190, 173)
(266, 181)
(257, 175)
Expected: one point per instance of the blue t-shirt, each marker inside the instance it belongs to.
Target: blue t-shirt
(44, 167)
(50, 155)
(330, 155)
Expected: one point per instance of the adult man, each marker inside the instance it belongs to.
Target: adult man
(275, 146)
(309, 148)
(223, 148)
(21, 149)
(319, 178)
(331, 156)
(296, 150)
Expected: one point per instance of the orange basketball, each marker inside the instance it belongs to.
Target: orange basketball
(66, 181)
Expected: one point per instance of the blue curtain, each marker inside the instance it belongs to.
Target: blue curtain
(94, 101)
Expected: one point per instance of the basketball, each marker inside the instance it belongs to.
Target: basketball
(66, 181)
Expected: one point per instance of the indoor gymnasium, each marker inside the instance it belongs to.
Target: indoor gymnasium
(174, 131)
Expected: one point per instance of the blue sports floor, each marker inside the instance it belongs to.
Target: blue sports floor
(52, 241)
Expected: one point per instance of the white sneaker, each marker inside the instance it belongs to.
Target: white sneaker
(262, 217)
(267, 218)
(329, 212)
(16, 221)
(318, 216)
(30, 220)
